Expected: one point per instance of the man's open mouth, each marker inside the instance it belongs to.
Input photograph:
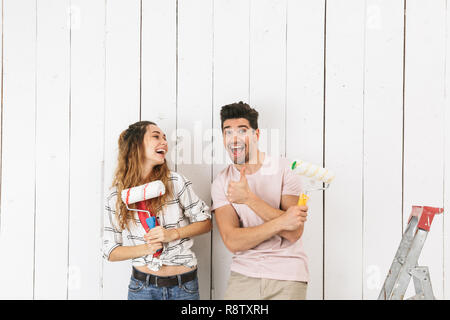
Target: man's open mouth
(237, 150)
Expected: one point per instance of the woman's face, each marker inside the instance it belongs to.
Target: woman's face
(155, 145)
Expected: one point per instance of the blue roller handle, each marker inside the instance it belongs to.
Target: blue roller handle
(151, 222)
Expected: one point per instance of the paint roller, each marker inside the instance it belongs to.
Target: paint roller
(139, 195)
(315, 173)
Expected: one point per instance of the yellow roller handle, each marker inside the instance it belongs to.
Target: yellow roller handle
(303, 200)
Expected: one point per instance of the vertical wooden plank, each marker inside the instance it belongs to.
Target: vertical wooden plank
(446, 120)
(19, 107)
(231, 84)
(159, 68)
(1, 105)
(304, 124)
(424, 132)
(268, 71)
(52, 149)
(195, 113)
(344, 148)
(122, 99)
(383, 95)
(86, 153)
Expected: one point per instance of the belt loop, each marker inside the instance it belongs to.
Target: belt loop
(179, 280)
(156, 281)
(147, 280)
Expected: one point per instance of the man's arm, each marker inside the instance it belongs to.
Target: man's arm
(240, 239)
(239, 192)
(267, 213)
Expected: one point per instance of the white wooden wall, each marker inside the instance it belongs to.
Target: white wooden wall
(359, 86)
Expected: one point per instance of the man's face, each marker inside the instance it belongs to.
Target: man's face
(240, 140)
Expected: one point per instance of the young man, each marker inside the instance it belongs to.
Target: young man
(255, 203)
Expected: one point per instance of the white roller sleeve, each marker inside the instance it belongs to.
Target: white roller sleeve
(146, 191)
(313, 171)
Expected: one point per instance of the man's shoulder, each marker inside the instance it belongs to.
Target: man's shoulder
(282, 162)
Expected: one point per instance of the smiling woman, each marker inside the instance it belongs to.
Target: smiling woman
(180, 215)
(139, 162)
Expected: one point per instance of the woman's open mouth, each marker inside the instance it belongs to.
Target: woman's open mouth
(161, 152)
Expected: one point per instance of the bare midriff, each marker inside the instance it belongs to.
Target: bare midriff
(166, 271)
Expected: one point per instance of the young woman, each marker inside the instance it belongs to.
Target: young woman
(181, 215)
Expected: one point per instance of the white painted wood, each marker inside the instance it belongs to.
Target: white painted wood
(424, 132)
(231, 84)
(76, 93)
(52, 149)
(86, 153)
(122, 99)
(446, 120)
(344, 148)
(268, 71)
(1, 106)
(304, 117)
(194, 113)
(19, 107)
(383, 95)
(159, 68)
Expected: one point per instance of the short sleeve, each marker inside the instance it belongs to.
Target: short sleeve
(218, 195)
(292, 183)
(112, 236)
(194, 208)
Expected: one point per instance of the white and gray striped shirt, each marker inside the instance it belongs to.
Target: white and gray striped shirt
(185, 208)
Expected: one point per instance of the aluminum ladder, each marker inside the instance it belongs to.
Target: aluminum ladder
(404, 267)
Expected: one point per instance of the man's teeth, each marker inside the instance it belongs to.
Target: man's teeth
(234, 148)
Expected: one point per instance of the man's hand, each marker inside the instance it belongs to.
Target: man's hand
(294, 218)
(239, 191)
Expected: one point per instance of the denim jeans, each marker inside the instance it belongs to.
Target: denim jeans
(139, 290)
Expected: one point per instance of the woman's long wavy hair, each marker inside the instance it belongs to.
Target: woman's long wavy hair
(128, 172)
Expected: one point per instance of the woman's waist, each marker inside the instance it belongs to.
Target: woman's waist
(165, 270)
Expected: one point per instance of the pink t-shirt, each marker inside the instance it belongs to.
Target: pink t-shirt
(275, 258)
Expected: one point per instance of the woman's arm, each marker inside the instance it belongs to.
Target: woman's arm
(192, 208)
(159, 234)
(122, 253)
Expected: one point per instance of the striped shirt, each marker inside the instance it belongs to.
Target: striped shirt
(185, 208)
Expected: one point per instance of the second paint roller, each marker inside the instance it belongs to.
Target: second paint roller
(315, 173)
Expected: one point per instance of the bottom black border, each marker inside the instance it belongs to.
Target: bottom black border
(221, 309)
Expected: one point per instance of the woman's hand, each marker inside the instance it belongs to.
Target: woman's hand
(159, 234)
(152, 248)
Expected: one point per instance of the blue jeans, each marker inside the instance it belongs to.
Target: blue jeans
(139, 290)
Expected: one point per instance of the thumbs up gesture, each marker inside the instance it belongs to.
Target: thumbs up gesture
(239, 191)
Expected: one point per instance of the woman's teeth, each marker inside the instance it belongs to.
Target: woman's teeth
(161, 151)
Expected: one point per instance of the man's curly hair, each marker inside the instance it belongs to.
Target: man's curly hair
(240, 110)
